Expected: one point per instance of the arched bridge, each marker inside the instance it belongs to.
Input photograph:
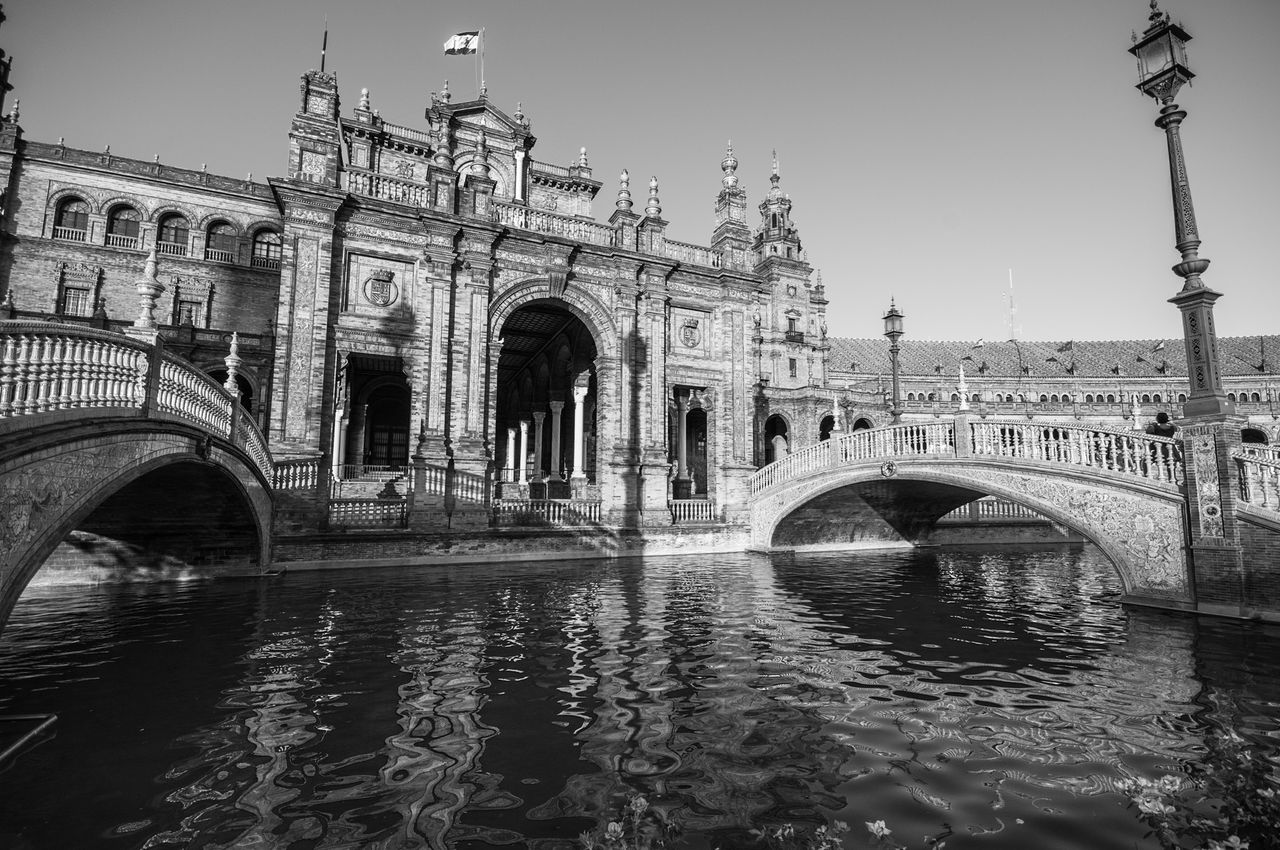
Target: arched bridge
(114, 435)
(1123, 490)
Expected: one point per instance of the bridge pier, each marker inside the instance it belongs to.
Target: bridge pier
(1213, 488)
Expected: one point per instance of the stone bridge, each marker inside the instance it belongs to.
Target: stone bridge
(113, 435)
(1174, 542)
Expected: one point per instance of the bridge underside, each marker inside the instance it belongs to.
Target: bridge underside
(1140, 528)
(110, 498)
(870, 513)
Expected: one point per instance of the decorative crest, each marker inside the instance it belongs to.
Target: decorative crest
(624, 191)
(730, 167)
(654, 207)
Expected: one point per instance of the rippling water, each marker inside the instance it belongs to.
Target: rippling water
(995, 697)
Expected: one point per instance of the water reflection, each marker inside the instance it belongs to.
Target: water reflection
(994, 697)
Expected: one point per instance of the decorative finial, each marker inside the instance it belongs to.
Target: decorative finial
(149, 270)
(1156, 16)
(204, 166)
(107, 150)
(730, 167)
(624, 191)
(156, 159)
(61, 142)
(519, 116)
(964, 390)
(484, 90)
(654, 207)
(13, 112)
(444, 93)
(775, 164)
(582, 158)
(249, 177)
(364, 99)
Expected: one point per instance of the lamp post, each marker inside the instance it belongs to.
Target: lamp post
(1162, 70)
(893, 330)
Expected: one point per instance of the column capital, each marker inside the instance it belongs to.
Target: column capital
(524, 427)
(556, 406)
(539, 415)
(579, 395)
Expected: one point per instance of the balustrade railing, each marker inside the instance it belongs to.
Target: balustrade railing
(119, 240)
(1128, 452)
(218, 255)
(171, 249)
(541, 221)
(562, 512)
(1156, 459)
(407, 132)
(1259, 481)
(695, 254)
(46, 367)
(297, 474)
(388, 188)
(70, 234)
(991, 509)
(368, 513)
(691, 510)
(370, 472)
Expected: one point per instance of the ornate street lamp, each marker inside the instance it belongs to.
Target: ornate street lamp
(1162, 70)
(893, 330)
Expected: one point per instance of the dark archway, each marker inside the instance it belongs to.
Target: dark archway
(387, 427)
(825, 427)
(862, 424)
(546, 369)
(776, 443)
(1253, 436)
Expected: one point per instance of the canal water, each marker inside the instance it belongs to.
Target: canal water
(988, 698)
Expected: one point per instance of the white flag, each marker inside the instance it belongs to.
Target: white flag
(462, 43)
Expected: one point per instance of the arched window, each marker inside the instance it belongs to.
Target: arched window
(1255, 398)
(911, 396)
(1088, 398)
(173, 236)
(955, 396)
(933, 396)
(221, 244)
(72, 220)
(1231, 397)
(1146, 398)
(1111, 398)
(122, 227)
(1043, 397)
(266, 250)
(1182, 397)
(1253, 435)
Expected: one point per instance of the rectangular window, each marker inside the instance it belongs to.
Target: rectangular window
(76, 301)
(191, 313)
(791, 364)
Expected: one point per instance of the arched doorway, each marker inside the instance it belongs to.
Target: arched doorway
(862, 424)
(825, 427)
(544, 433)
(1253, 435)
(387, 428)
(776, 442)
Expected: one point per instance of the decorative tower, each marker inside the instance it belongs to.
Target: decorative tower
(777, 236)
(731, 230)
(314, 142)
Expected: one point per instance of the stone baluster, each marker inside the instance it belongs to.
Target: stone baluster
(8, 366)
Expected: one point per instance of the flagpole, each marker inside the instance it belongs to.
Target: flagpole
(482, 85)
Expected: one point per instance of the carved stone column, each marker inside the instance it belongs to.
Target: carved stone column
(557, 462)
(579, 397)
(538, 472)
(681, 484)
(509, 462)
(522, 459)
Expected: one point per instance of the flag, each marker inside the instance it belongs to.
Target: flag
(1065, 346)
(462, 43)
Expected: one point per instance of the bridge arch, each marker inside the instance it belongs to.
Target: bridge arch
(1140, 528)
(49, 490)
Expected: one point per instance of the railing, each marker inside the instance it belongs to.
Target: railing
(119, 240)
(367, 472)
(695, 254)
(1128, 452)
(991, 509)
(297, 474)
(388, 188)
(70, 234)
(561, 512)
(171, 249)
(1156, 459)
(269, 263)
(367, 513)
(1259, 481)
(547, 168)
(219, 256)
(691, 510)
(46, 367)
(1259, 450)
(541, 221)
(407, 132)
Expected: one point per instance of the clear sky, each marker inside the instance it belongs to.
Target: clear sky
(928, 145)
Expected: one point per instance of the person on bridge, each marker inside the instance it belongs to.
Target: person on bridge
(1162, 427)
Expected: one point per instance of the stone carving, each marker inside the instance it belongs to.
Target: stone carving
(313, 166)
(317, 104)
(382, 234)
(380, 288)
(1208, 495)
(889, 469)
(690, 334)
(404, 168)
(301, 359)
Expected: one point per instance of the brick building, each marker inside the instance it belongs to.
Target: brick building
(436, 292)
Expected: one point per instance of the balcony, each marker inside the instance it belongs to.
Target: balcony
(119, 240)
(219, 256)
(269, 263)
(171, 249)
(795, 336)
(70, 234)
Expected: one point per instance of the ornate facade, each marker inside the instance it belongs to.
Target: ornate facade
(438, 296)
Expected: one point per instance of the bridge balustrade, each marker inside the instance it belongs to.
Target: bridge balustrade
(367, 513)
(46, 367)
(1113, 450)
(563, 512)
(297, 474)
(1259, 480)
(1127, 452)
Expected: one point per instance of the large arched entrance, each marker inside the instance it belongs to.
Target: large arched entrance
(776, 444)
(545, 437)
(375, 441)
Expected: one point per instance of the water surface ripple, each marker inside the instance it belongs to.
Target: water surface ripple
(994, 697)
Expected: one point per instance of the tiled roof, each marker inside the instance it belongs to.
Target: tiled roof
(1154, 358)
